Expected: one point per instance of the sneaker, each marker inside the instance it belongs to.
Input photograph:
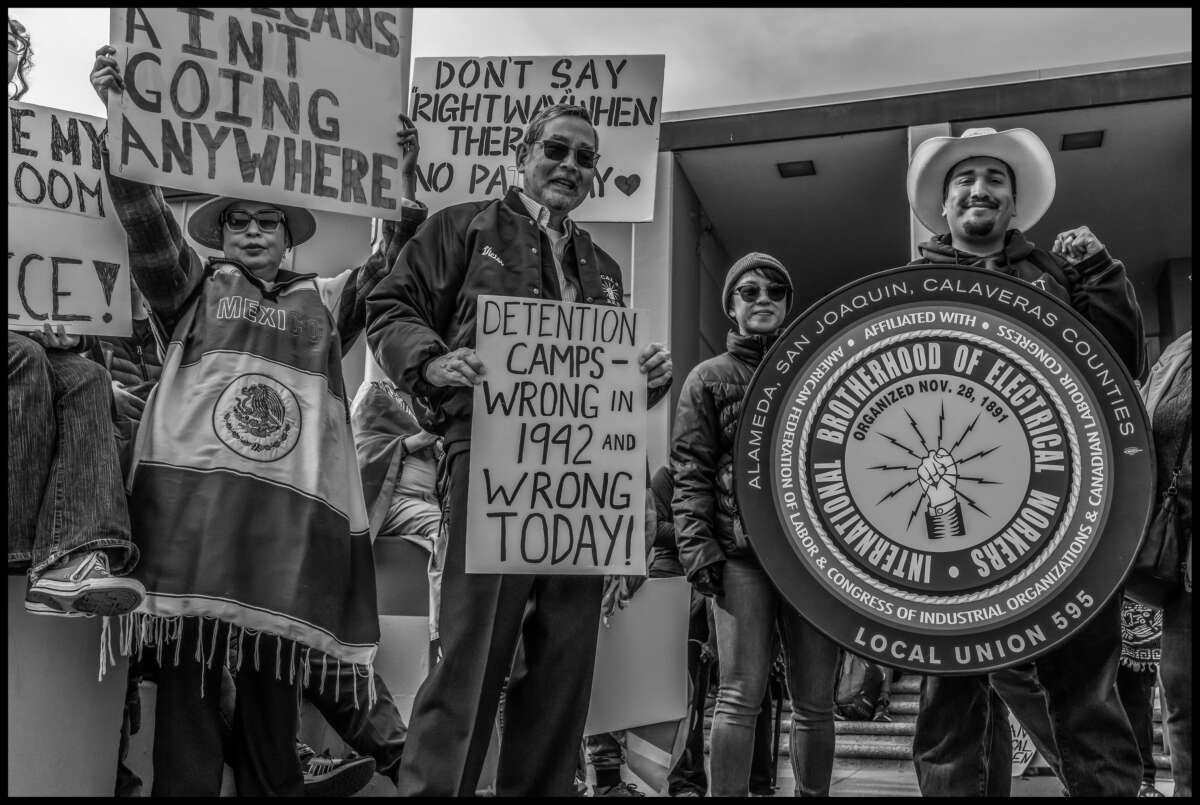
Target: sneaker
(82, 583)
(34, 608)
(621, 789)
(327, 776)
(1148, 790)
(687, 792)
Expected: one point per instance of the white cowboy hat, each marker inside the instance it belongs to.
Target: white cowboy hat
(204, 225)
(1020, 149)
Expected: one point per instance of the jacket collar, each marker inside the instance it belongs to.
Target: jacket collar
(939, 249)
(749, 348)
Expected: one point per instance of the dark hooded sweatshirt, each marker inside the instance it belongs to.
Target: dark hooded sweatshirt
(1097, 288)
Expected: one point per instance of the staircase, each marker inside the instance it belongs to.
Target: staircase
(890, 741)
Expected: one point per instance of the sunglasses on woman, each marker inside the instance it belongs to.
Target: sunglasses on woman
(267, 220)
(751, 293)
(584, 157)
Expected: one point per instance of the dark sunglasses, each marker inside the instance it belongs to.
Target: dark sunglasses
(751, 293)
(267, 220)
(584, 157)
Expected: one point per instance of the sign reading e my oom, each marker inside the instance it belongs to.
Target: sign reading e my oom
(472, 113)
(68, 262)
(558, 440)
(296, 106)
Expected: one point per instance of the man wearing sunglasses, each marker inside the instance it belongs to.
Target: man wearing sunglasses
(245, 496)
(421, 327)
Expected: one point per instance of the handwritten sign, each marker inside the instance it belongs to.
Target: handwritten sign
(558, 440)
(67, 259)
(472, 113)
(296, 106)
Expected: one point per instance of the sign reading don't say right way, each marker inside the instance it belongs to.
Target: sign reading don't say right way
(945, 469)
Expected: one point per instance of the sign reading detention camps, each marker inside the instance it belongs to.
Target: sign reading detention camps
(292, 105)
(67, 259)
(558, 447)
(472, 113)
(945, 469)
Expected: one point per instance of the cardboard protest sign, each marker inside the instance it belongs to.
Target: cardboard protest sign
(67, 259)
(558, 440)
(641, 674)
(296, 106)
(472, 113)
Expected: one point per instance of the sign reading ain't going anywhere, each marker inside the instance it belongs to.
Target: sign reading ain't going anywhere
(944, 469)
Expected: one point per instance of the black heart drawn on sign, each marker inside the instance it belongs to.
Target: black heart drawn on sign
(628, 184)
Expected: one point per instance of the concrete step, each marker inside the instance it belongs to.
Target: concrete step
(875, 727)
(874, 747)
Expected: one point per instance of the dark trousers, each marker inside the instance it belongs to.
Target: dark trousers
(1136, 689)
(1020, 689)
(377, 731)
(188, 752)
(955, 751)
(482, 617)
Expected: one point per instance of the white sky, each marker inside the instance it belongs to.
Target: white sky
(717, 57)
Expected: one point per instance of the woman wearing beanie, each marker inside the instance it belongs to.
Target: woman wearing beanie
(718, 557)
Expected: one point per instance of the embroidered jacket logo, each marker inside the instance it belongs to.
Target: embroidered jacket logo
(489, 252)
(611, 292)
(258, 418)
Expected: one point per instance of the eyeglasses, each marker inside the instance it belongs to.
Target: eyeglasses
(584, 157)
(752, 293)
(267, 220)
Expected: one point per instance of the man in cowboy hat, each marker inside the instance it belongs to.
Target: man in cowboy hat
(978, 193)
(245, 496)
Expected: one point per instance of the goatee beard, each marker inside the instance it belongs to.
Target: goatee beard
(979, 229)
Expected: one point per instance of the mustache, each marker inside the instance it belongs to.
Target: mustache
(982, 201)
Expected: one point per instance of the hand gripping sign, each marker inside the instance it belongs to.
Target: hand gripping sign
(944, 469)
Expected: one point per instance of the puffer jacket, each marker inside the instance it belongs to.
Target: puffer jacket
(1097, 288)
(426, 306)
(708, 528)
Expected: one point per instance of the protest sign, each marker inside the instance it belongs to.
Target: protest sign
(472, 113)
(558, 440)
(295, 106)
(67, 259)
(641, 673)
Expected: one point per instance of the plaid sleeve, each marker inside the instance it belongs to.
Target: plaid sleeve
(351, 311)
(167, 270)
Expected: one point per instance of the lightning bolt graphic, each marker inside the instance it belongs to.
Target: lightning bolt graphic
(896, 491)
(891, 467)
(917, 430)
(902, 447)
(941, 422)
(976, 480)
(971, 503)
(980, 454)
(912, 516)
(970, 428)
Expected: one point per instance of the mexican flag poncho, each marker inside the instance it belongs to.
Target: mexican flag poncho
(245, 498)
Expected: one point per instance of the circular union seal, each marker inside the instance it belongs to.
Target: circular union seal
(258, 418)
(928, 461)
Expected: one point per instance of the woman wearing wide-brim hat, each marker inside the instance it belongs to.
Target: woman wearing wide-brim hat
(244, 491)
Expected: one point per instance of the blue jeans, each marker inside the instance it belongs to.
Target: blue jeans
(1175, 670)
(955, 750)
(745, 618)
(65, 492)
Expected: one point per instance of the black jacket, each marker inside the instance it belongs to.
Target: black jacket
(1097, 288)
(707, 526)
(426, 306)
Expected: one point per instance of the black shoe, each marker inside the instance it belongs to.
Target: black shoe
(621, 789)
(327, 776)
